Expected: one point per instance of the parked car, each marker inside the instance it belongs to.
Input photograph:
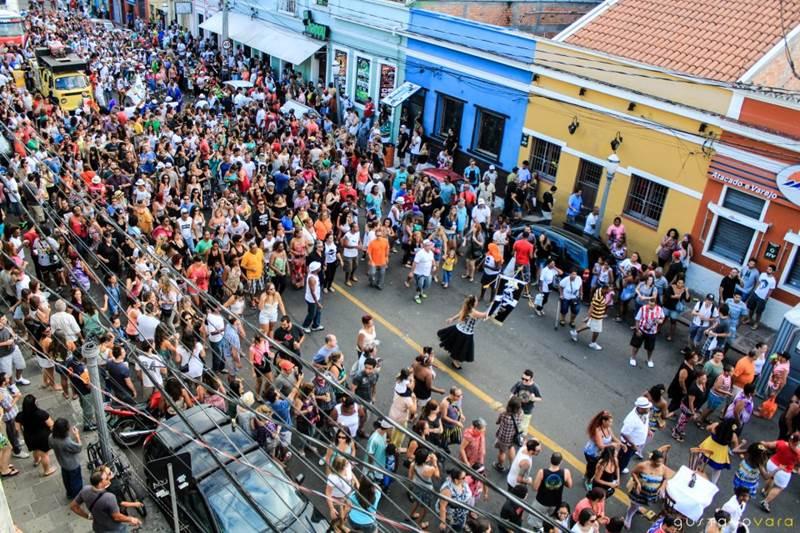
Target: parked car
(208, 501)
(569, 249)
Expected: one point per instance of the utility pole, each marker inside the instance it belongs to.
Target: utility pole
(91, 353)
(225, 8)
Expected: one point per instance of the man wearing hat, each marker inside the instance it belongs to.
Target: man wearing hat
(423, 268)
(313, 299)
(376, 448)
(482, 214)
(634, 432)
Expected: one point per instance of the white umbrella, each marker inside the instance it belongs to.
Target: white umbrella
(239, 84)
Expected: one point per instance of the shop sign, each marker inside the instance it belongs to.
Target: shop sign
(771, 253)
(789, 183)
(317, 31)
(183, 8)
(340, 73)
(749, 187)
(524, 141)
(363, 74)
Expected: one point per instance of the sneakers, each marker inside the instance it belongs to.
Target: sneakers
(317, 328)
(22, 455)
(23, 382)
(595, 346)
(574, 335)
(307, 330)
(424, 295)
(651, 364)
(632, 362)
(418, 299)
(765, 506)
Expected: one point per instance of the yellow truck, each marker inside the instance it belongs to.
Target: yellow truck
(60, 76)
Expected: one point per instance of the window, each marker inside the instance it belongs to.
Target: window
(731, 239)
(488, 134)
(448, 115)
(588, 179)
(544, 159)
(645, 200)
(322, 2)
(793, 272)
(287, 6)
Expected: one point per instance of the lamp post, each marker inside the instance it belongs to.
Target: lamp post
(611, 169)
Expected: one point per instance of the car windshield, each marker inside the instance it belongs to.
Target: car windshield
(68, 83)
(11, 29)
(265, 483)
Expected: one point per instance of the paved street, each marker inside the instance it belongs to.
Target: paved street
(575, 381)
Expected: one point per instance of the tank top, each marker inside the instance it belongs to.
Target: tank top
(467, 326)
(347, 421)
(591, 448)
(317, 294)
(515, 471)
(369, 338)
(551, 489)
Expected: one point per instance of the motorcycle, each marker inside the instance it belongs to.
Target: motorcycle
(128, 427)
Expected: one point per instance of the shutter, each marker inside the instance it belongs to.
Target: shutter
(731, 240)
(793, 278)
(745, 204)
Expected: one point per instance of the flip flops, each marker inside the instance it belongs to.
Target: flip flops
(11, 473)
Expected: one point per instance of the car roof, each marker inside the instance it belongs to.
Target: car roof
(174, 434)
(264, 481)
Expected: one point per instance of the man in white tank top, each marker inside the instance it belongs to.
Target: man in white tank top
(313, 299)
(520, 471)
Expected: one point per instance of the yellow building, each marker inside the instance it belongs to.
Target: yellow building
(576, 120)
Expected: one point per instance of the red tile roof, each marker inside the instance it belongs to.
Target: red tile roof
(717, 39)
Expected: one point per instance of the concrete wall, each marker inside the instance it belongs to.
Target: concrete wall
(542, 17)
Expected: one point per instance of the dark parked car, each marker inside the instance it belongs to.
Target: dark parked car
(208, 501)
(569, 249)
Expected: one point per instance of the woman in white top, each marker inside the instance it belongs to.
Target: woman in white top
(347, 415)
(236, 302)
(340, 483)
(269, 304)
(367, 336)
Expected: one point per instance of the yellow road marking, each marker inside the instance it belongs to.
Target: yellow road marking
(474, 389)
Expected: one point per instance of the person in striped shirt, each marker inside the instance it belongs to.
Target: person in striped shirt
(648, 319)
(602, 298)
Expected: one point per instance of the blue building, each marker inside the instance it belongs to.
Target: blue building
(475, 80)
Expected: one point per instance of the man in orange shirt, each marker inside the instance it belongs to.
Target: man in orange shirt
(252, 264)
(744, 372)
(378, 254)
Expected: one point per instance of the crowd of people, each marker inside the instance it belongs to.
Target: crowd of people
(159, 232)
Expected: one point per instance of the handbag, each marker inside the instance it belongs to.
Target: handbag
(519, 438)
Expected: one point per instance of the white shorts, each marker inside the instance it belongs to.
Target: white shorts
(11, 362)
(780, 476)
(595, 325)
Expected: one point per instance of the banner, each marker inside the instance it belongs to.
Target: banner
(509, 290)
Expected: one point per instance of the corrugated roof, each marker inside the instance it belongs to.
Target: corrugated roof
(716, 39)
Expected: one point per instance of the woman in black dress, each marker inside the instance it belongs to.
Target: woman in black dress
(36, 426)
(457, 339)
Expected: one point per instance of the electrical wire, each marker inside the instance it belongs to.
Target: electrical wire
(343, 390)
(64, 262)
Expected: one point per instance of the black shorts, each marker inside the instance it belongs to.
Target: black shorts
(648, 339)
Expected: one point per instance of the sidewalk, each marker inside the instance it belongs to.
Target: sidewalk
(39, 505)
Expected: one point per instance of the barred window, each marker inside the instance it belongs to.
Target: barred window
(645, 200)
(793, 277)
(544, 159)
(288, 6)
(588, 179)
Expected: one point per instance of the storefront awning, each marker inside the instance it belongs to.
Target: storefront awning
(401, 94)
(265, 37)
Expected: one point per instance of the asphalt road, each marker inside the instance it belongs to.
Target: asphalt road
(576, 382)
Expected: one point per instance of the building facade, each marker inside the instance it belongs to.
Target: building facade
(474, 80)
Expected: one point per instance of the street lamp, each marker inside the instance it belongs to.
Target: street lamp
(611, 169)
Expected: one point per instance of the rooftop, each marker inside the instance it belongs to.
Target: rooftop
(715, 39)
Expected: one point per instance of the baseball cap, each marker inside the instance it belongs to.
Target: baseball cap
(285, 364)
(385, 424)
